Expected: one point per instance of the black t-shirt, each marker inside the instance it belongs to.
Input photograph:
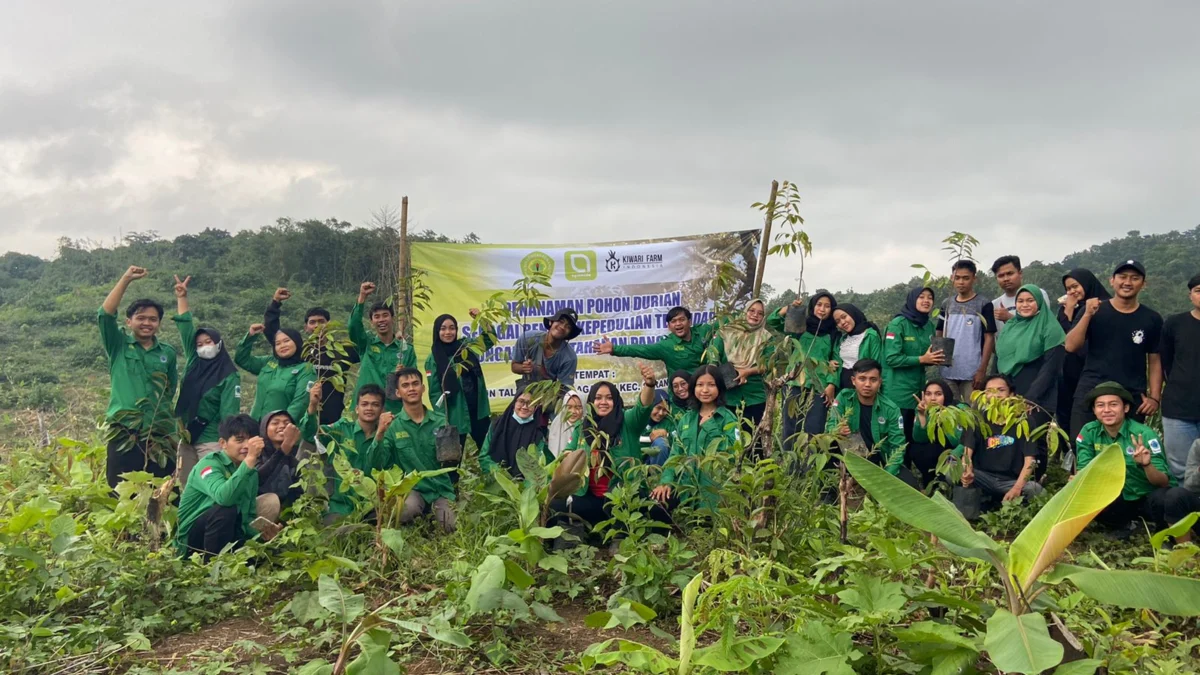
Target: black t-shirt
(1117, 346)
(866, 413)
(1181, 363)
(999, 454)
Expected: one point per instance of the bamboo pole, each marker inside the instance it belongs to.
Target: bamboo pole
(765, 244)
(404, 299)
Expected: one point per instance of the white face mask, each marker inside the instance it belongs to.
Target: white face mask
(208, 351)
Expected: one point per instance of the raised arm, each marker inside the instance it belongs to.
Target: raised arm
(358, 334)
(113, 302)
(244, 356)
(271, 314)
(183, 320)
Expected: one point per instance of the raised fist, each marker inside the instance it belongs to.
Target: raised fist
(135, 272)
(282, 294)
(257, 328)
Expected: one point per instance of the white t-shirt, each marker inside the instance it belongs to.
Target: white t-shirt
(1009, 302)
(848, 349)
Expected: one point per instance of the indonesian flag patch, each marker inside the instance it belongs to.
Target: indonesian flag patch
(205, 471)
(891, 336)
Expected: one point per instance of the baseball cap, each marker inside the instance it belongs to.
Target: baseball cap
(1130, 265)
(1194, 282)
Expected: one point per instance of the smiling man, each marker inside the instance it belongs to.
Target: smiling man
(548, 354)
(1121, 337)
(136, 358)
(383, 352)
(1008, 274)
(683, 349)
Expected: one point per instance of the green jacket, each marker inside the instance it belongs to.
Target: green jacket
(903, 374)
(131, 371)
(459, 412)
(350, 441)
(871, 347)
(221, 401)
(673, 352)
(1093, 437)
(279, 388)
(413, 447)
(377, 359)
(217, 481)
(628, 453)
(886, 426)
(811, 348)
(692, 440)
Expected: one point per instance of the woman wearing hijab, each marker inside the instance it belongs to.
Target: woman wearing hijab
(211, 388)
(277, 463)
(564, 424)
(1080, 286)
(656, 437)
(858, 339)
(907, 350)
(681, 391)
(464, 395)
(815, 383)
(741, 343)
(925, 450)
(516, 429)
(283, 378)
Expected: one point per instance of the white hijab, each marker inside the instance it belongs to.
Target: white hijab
(561, 427)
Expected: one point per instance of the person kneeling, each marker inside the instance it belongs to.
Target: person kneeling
(883, 433)
(220, 502)
(1149, 491)
(1001, 466)
(410, 443)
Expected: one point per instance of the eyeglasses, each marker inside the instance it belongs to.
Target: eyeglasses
(523, 403)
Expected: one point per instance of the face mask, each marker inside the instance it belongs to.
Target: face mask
(208, 351)
(522, 420)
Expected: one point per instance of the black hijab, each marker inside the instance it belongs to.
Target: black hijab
(687, 377)
(507, 437)
(204, 374)
(819, 327)
(1092, 288)
(609, 425)
(275, 469)
(294, 358)
(947, 392)
(443, 352)
(910, 311)
(861, 323)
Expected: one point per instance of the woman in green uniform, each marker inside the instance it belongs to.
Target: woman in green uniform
(858, 339)
(815, 383)
(464, 395)
(741, 344)
(283, 378)
(906, 352)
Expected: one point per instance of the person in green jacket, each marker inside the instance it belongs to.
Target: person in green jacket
(681, 390)
(612, 437)
(211, 389)
(359, 440)
(883, 434)
(926, 451)
(1150, 490)
(857, 338)
(683, 349)
(464, 395)
(707, 424)
(410, 443)
(283, 379)
(656, 437)
(220, 503)
(142, 378)
(383, 353)
(741, 343)
(816, 383)
(517, 428)
(907, 350)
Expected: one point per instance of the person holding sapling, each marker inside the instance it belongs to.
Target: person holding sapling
(220, 505)
(383, 352)
(814, 383)
(454, 370)
(548, 354)
(211, 389)
(333, 402)
(517, 428)
(283, 378)
(358, 440)
(907, 350)
(876, 419)
(968, 319)
(682, 349)
(1150, 490)
(926, 450)
(857, 338)
(410, 442)
(139, 408)
(706, 421)
(1001, 466)
(1080, 286)
(741, 344)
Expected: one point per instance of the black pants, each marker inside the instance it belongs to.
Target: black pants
(215, 529)
(909, 417)
(586, 507)
(754, 412)
(133, 459)
(924, 458)
(1162, 508)
(662, 511)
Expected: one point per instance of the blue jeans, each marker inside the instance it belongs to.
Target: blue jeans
(1178, 436)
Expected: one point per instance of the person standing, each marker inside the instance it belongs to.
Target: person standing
(383, 352)
(548, 354)
(143, 374)
(1180, 350)
(814, 383)
(1080, 286)
(1122, 337)
(1008, 274)
(333, 402)
(682, 349)
(454, 370)
(741, 344)
(859, 339)
(211, 389)
(1030, 351)
(283, 379)
(968, 319)
(907, 349)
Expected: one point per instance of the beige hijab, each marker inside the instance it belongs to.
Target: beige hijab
(743, 342)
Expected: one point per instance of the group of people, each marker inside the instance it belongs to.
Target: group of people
(1096, 367)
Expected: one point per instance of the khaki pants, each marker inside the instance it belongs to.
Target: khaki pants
(189, 456)
(268, 506)
(443, 510)
(962, 390)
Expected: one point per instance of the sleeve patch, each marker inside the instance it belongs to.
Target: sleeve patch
(206, 471)
(891, 336)
(309, 386)
(1079, 438)
(1154, 446)
(237, 391)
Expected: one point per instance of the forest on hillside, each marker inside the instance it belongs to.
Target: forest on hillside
(48, 307)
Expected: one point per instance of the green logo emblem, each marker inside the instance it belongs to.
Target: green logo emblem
(537, 263)
(580, 265)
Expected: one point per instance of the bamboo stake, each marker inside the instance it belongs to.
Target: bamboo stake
(765, 244)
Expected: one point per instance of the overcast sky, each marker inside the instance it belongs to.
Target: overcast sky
(1039, 127)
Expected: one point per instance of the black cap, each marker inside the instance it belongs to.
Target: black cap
(1130, 265)
(1194, 282)
(566, 314)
